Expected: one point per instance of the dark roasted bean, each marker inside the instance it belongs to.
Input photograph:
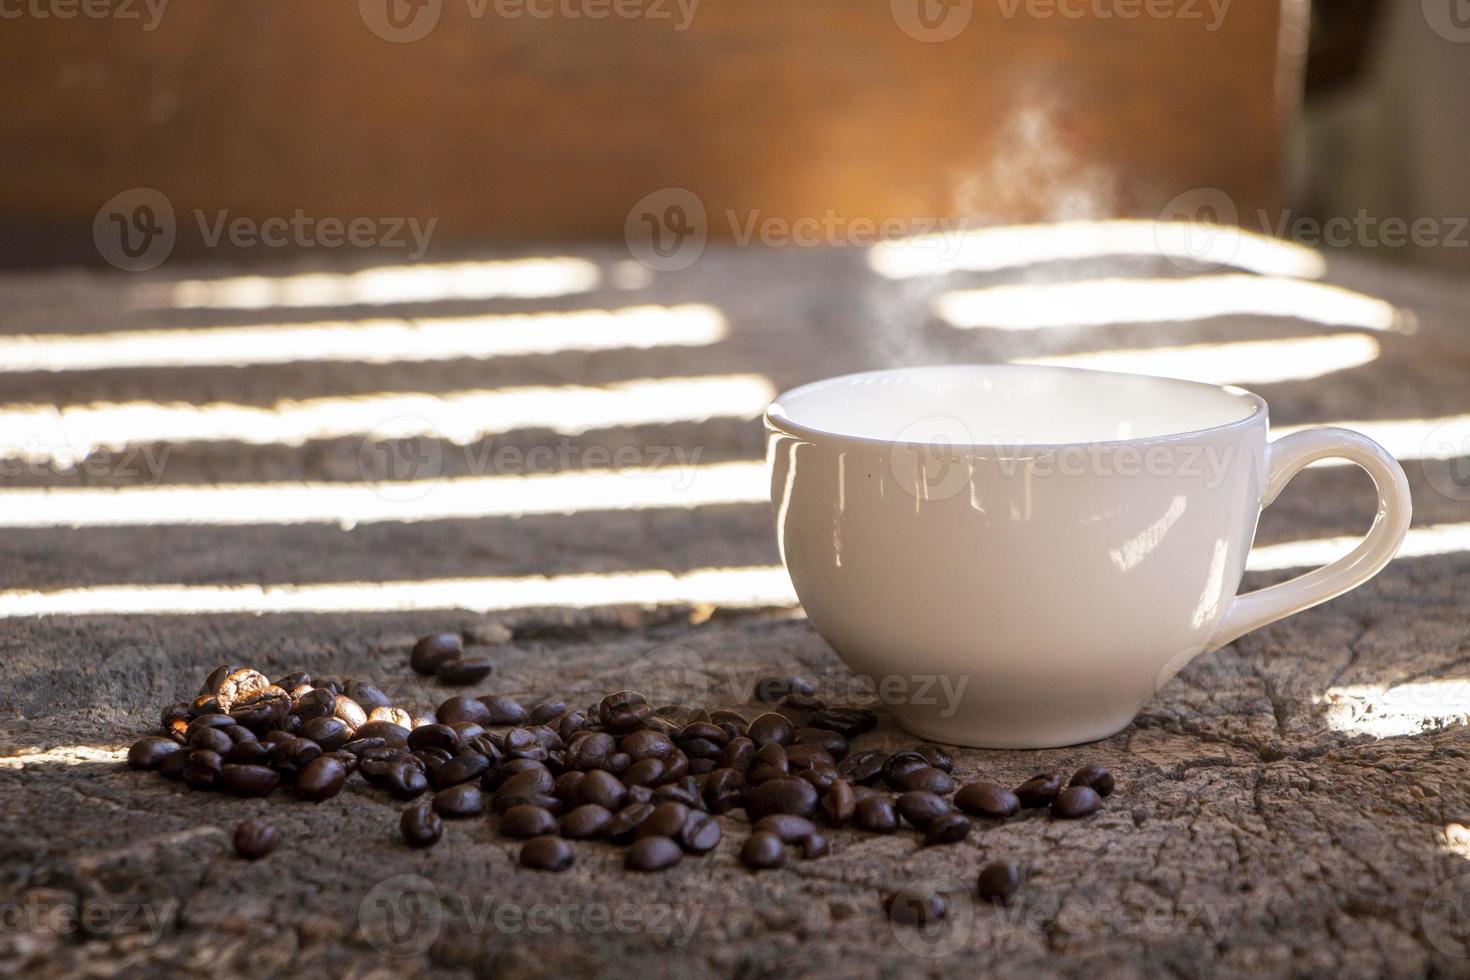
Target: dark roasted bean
(784, 795)
(360, 745)
(984, 799)
(786, 826)
(534, 778)
(645, 744)
(421, 826)
(936, 755)
(876, 815)
(999, 881)
(1076, 801)
(547, 711)
(201, 769)
(864, 768)
(585, 822)
(464, 800)
(466, 670)
(648, 772)
(839, 803)
(321, 779)
(431, 651)
(775, 689)
(848, 722)
(461, 769)
(721, 791)
(928, 779)
(460, 708)
(248, 780)
(205, 704)
(896, 765)
(317, 703)
(763, 851)
(623, 711)
(349, 712)
(771, 727)
(523, 822)
(739, 754)
(828, 741)
(254, 839)
(666, 820)
(213, 739)
(293, 754)
(820, 777)
(809, 757)
(653, 854)
(1039, 791)
(773, 755)
(949, 828)
(238, 685)
(917, 905)
(249, 754)
(149, 753)
(502, 711)
(590, 750)
(700, 834)
(685, 791)
(328, 733)
(368, 696)
(921, 808)
(1096, 778)
(434, 737)
(547, 853)
(173, 766)
(567, 785)
(404, 781)
(390, 733)
(625, 823)
(602, 788)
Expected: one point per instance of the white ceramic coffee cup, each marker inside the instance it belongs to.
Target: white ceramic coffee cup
(1019, 557)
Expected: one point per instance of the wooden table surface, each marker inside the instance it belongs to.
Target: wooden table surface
(1294, 804)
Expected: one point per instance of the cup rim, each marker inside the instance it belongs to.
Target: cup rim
(777, 421)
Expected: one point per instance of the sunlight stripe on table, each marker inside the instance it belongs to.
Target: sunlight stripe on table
(748, 587)
(1194, 244)
(64, 755)
(381, 341)
(533, 278)
(1100, 302)
(349, 504)
(1444, 438)
(1421, 542)
(39, 433)
(1245, 362)
(1411, 708)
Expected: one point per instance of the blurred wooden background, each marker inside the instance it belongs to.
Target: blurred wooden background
(527, 129)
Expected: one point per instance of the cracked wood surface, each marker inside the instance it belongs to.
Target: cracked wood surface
(1256, 829)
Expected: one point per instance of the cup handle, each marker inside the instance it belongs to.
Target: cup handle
(1284, 459)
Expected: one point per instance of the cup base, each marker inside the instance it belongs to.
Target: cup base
(967, 733)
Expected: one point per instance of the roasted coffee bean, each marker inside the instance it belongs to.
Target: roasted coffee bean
(431, 758)
(864, 768)
(238, 685)
(848, 722)
(821, 777)
(784, 795)
(547, 711)
(786, 826)
(501, 711)
(685, 791)
(175, 718)
(461, 769)
(213, 739)
(916, 905)
(404, 781)
(706, 731)
(333, 684)
(464, 800)
(839, 803)
(368, 696)
(467, 670)
(625, 823)
(421, 826)
(291, 680)
(217, 676)
(590, 750)
(328, 733)
(984, 799)
(739, 754)
(321, 779)
(721, 790)
(928, 779)
(461, 708)
(349, 712)
(547, 853)
(701, 833)
(809, 757)
(645, 773)
(921, 808)
(523, 822)
(360, 745)
(250, 753)
(815, 845)
(772, 755)
(999, 881)
(646, 744)
(653, 854)
(317, 703)
(775, 689)
(667, 820)
(1076, 801)
(1096, 778)
(1039, 791)
(763, 851)
(248, 780)
(149, 752)
(386, 731)
(201, 769)
(262, 711)
(771, 727)
(435, 736)
(567, 785)
(623, 711)
(876, 814)
(820, 738)
(254, 839)
(585, 822)
(431, 651)
(172, 766)
(936, 755)
(294, 754)
(602, 788)
(500, 803)
(950, 828)
(532, 778)
(900, 763)
(205, 704)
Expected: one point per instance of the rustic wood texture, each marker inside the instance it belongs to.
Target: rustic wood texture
(1249, 836)
(515, 127)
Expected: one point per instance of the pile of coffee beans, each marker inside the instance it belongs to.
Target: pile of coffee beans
(653, 779)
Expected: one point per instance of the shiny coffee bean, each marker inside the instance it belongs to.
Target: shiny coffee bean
(349, 712)
(1039, 791)
(839, 803)
(368, 696)
(436, 736)
(567, 785)
(249, 754)
(848, 722)
(938, 757)
(405, 781)
(585, 822)
(467, 670)
(950, 828)
(547, 853)
(1096, 778)
(321, 779)
(431, 651)
(646, 744)
(238, 685)
(927, 779)
(830, 742)
(625, 823)
(786, 826)
(457, 709)
(783, 795)
(863, 768)
(216, 676)
(502, 711)
(646, 772)
(254, 839)
(916, 905)
(700, 834)
(172, 766)
(623, 711)
(763, 851)
(984, 799)
(213, 739)
(149, 753)
(318, 703)
(999, 881)
(771, 727)
(328, 733)
(602, 788)
(921, 808)
(524, 822)
(900, 763)
(775, 689)
(815, 845)
(809, 757)
(248, 780)
(421, 826)
(653, 854)
(876, 814)
(547, 711)
(461, 769)
(721, 790)
(667, 820)
(685, 791)
(590, 750)
(457, 802)
(738, 754)
(1076, 801)
(390, 733)
(201, 769)
(294, 754)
